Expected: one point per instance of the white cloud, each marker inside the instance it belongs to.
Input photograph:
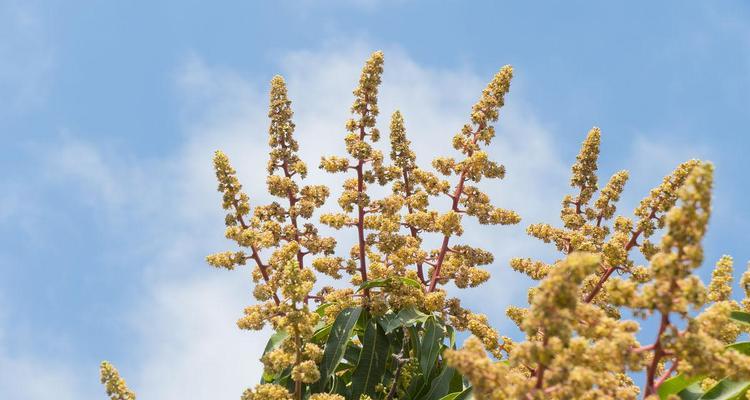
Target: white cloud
(191, 347)
(36, 379)
(31, 377)
(83, 164)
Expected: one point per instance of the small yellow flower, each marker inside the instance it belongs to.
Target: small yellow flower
(115, 386)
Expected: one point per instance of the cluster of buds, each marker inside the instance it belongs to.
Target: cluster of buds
(577, 346)
(114, 385)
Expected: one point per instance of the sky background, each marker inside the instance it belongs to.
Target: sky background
(110, 112)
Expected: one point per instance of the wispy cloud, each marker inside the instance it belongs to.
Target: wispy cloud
(33, 376)
(27, 55)
(81, 164)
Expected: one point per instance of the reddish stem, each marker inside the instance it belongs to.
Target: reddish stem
(658, 354)
(292, 202)
(631, 243)
(599, 285)
(412, 229)
(255, 255)
(538, 373)
(643, 348)
(360, 209)
(455, 197)
(666, 375)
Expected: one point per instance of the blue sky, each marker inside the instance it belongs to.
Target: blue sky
(111, 110)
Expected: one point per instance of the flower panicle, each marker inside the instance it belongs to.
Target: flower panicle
(114, 385)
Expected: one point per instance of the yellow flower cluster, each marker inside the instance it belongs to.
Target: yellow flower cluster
(326, 396)
(576, 346)
(115, 386)
(574, 349)
(720, 288)
(267, 391)
(391, 231)
(283, 282)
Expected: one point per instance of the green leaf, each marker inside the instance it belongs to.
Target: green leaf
(411, 316)
(680, 384)
(675, 385)
(385, 282)
(464, 395)
(432, 339)
(727, 390)
(741, 317)
(321, 333)
(409, 282)
(321, 328)
(351, 355)
(335, 346)
(457, 383)
(440, 386)
(380, 282)
(692, 392)
(389, 322)
(405, 318)
(416, 387)
(275, 341)
(372, 361)
(322, 308)
(451, 337)
(742, 347)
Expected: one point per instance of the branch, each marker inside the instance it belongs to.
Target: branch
(292, 201)
(414, 231)
(360, 209)
(631, 243)
(454, 206)
(541, 368)
(667, 374)
(643, 348)
(658, 354)
(255, 256)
